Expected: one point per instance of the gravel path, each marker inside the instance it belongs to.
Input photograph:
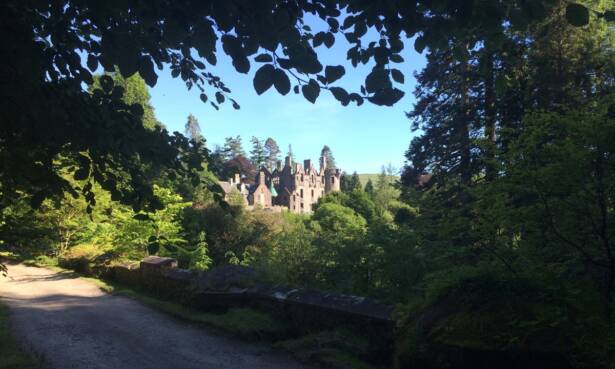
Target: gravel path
(75, 325)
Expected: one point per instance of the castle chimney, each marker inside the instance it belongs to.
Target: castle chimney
(288, 161)
(237, 178)
(261, 177)
(307, 164)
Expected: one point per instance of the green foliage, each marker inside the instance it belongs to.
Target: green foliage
(135, 91)
(258, 154)
(192, 129)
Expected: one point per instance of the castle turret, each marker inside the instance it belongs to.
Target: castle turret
(332, 180)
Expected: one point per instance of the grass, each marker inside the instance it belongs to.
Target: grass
(364, 177)
(12, 356)
(334, 348)
(238, 322)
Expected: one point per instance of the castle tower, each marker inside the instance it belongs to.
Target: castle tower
(332, 180)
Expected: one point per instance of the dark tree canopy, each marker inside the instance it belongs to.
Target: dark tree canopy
(54, 47)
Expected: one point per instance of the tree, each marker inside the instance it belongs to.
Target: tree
(350, 183)
(272, 153)
(55, 47)
(328, 155)
(192, 129)
(239, 165)
(258, 154)
(233, 147)
(341, 251)
(369, 187)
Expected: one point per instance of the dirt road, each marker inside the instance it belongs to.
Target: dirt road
(75, 325)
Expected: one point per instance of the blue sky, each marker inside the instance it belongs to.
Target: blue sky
(362, 138)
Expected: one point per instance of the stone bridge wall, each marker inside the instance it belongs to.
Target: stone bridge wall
(234, 286)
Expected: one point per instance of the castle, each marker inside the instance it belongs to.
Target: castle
(294, 186)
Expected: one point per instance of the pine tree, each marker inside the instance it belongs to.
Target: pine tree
(233, 147)
(272, 153)
(369, 187)
(328, 155)
(350, 183)
(258, 155)
(192, 129)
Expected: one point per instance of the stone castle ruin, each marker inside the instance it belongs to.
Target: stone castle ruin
(294, 186)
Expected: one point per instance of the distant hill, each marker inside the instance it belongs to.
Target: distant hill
(364, 177)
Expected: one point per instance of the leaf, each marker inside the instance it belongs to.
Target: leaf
(92, 63)
(397, 75)
(146, 70)
(219, 97)
(419, 44)
(319, 38)
(141, 216)
(203, 98)
(311, 91)
(333, 23)
(106, 83)
(153, 248)
(137, 109)
(386, 97)
(296, 89)
(241, 64)
(281, 81)
(577, 15)
(378, 79)
(263, 79)
(263, 58)
(81, 174)
(396, 58)
(333, 73)
(329, 40)
(340, 94)
(609, 15)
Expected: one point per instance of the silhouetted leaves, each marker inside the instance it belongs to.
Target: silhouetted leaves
(333, 73)
(340, 94)
(397, 75)
(263, 58)
(281, 81)
(378, 79)
(577, 15)
(311, 91)
(263, 79)
(146, 70)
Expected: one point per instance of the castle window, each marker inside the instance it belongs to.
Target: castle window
(332, 180)
(302, 193)
(312, 192)
(323, 180)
